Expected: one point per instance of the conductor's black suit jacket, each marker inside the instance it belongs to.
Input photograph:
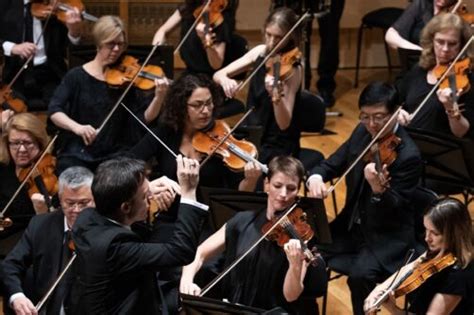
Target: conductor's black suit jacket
(117, 270)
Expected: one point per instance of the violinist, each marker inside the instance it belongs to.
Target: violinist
(117, 269)
(450, 290)
(375, 228)
(281, 135)
(83, 100)
(19, 35)
(23, 140)
(405, 32)
(44, 247)
(203, 51)
(270, 276)
(442, 40)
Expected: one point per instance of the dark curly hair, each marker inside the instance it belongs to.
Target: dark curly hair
(174, 111)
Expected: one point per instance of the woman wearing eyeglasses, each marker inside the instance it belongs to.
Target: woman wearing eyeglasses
(83, 100)
(442, 39)
(23, 140)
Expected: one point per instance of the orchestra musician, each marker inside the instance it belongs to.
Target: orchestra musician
(450, 291)
(44, 246)
(375, 228)
(202, 52)
(207, 51)
(19, 34)
(281, 133)
(405, 32)
(269, 277)
(84, 99)
(442, 39)
(117, 269)
(23, 140)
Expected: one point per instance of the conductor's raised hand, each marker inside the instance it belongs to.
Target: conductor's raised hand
(188, 176)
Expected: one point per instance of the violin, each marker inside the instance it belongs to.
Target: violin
(41, 8)
(383, 152)
(8, 100)
(43, 179)
(125, 71)
(212, 16)
(294, 226)
(280, 67)
(415, 278)
(460, 9)
(235, 153)
(457, 80)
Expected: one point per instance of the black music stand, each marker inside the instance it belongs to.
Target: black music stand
(225, 203)
(195, 305)
(448, 162)
(163, 56)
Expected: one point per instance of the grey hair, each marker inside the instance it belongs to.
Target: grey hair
(75, 177)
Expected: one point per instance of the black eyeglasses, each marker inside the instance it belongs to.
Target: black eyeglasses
(15, 145)
(111, 45)
(199, 107)
(378, 119)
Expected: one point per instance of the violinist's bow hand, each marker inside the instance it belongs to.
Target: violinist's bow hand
(404, 117)
(23, 305)
(316, 187)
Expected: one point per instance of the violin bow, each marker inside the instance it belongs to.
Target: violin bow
(441, 79)
(55, 284)
(247, 80)
(367, 148)
(238, 260)
(30, 173)
(196, 21)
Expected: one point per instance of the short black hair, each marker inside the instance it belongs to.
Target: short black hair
(379, 93)
(115, 182)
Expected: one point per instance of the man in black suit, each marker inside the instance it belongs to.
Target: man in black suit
(375, 228)
(43, 247)
(20, 38)
(117, 269)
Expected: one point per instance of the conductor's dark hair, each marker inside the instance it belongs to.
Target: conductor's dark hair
(379, 93)
(115, 182)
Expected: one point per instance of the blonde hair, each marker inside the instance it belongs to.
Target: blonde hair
(25, 122)
(107, 28)
(440, 23)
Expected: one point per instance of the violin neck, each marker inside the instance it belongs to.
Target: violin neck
(148, 75)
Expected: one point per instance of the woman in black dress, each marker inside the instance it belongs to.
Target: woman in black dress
(442, 39)
(281, 133)
(84, 99)
(270, 276)
(23, 140)
(450, 291)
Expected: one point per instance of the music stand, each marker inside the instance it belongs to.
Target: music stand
(225, 203)
(163, 56)
(447, 160)
(195, 305)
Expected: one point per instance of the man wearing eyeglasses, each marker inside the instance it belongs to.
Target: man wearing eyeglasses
(375, 228)
(45, 248)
